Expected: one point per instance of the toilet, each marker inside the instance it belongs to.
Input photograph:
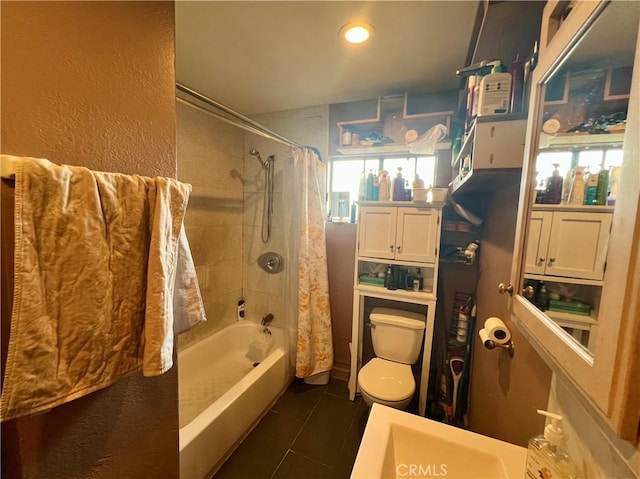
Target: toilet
(397, 339)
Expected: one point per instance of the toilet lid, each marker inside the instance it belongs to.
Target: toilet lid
(387, 380)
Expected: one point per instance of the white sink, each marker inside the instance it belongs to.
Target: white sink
(397, 444)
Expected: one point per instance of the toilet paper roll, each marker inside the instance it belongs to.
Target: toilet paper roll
(497, 331)
(484, 336)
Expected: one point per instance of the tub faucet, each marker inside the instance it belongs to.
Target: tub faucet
(266, 321)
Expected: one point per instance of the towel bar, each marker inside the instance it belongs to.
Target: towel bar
(8, 166)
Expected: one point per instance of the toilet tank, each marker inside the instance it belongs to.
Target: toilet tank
(396, 334)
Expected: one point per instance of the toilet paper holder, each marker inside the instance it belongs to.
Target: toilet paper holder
(510, 347)
(496, 334)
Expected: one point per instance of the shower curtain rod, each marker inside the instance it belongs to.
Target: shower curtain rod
(233, 117)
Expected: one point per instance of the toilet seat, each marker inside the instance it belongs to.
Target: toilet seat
(387, 380)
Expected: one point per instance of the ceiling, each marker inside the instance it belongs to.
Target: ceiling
(263, 56)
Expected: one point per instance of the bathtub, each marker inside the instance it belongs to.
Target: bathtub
(226, 382)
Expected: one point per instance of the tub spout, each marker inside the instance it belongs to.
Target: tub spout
(266, 321)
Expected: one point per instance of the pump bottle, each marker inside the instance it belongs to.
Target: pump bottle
(546, 456)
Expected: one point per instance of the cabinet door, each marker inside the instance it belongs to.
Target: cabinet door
(417, 235)
(578, 245)
(499, 144)
(377, 232)
(538, 242)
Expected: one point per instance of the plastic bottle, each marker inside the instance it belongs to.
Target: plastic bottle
(390, 278)
(553, 193)
(419, 278)
(470, 114)
(543, 297)
(383, 194)
(376, 188)
(603, 187)
(417, 182)
(463, 326)
(368, 195)
(466, 165)
(546, 454)
(517, 83)
(240, 310)
(529, 65)
(576, 195)
(495, 92)
(566, 186)
(592, 189)
(362, 187)
(346, 138)
(398, 187)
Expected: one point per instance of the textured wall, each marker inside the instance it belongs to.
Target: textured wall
(505, 392)
(92, 84)
(341, 254)
(210, 157)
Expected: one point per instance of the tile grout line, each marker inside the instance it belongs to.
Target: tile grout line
(300, 431)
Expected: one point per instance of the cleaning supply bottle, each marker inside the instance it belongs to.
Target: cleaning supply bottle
(576, 195)
(546, 455)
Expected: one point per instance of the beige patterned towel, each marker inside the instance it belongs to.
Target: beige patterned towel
(103, 278)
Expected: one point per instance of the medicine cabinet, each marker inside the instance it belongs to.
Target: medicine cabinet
(577, 106)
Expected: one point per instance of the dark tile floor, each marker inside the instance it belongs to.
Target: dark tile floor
(311, 432)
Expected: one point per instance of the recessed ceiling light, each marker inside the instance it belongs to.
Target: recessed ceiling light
(356, 32)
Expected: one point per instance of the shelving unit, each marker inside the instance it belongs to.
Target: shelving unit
(568, 140)
(403, 234)
(495, 145)
(394, 108)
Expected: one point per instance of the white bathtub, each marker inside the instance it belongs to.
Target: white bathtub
(222, 394)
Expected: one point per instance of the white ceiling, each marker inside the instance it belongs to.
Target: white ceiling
(263, 56)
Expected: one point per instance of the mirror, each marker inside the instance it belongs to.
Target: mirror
(577, 158)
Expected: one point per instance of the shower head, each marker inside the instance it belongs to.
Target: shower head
(256, 153)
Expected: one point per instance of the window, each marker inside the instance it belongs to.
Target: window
(344, 177)
(591, 160)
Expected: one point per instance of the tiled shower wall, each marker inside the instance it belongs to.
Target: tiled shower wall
(224, 216)
(264, 293)
(210, 157)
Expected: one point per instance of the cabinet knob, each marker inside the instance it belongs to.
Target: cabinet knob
(551, 261)
(505, 288)
(540, 261)
(391, 248)
(528, 292)
(398, 249)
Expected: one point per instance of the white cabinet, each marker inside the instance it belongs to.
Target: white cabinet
(495, 147)
(571, 244)
(399, 233)
(406, 235)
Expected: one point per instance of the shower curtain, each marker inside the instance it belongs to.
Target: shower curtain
(303, 195)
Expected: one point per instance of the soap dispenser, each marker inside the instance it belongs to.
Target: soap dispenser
(546, 456)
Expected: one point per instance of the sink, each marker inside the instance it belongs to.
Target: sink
(397, 444)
